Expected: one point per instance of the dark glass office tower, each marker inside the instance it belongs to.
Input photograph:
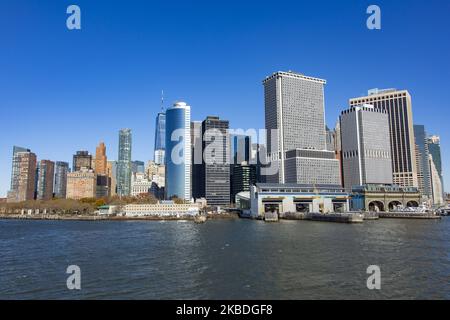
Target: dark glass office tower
(60, 187)
(216, 163)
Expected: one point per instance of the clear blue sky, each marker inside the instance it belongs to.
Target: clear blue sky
(61, 90)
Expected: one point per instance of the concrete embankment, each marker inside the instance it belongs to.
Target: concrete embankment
(409, 215)
(348, 217)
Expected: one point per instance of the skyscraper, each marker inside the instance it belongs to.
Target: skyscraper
(25, 166)
(101, 161)
(397, 103)
(243, 176)
(60, 186)
(160, 138)
(197, 159)
(137, 167)
(366, 149)
(295, 123)
(437, 193)
(15, 167)
(45, 180)
(178, 151)
(422, 156)
(124, 163)
(82, 159)
(240, 148)
(215, 183)
(434, 147)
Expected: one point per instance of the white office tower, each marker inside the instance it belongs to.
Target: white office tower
(366, 148)
(295, 123)
(178, 151)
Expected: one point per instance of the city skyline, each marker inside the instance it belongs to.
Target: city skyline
(218, 97)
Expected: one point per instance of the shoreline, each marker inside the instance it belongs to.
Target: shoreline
(218, 216)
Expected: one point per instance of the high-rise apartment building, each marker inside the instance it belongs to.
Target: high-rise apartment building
(397, 103)
(101, 161)
(178, 151)
(366, 149)
(15, 167)
(60, 185)
(422, 161)
(124, 163)
(45, 180)
(82, 159)
(295, 123)
(24, 175)
(160, 138)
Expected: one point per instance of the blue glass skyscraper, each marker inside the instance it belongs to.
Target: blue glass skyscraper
(178, 151)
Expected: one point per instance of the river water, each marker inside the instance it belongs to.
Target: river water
(232, 259)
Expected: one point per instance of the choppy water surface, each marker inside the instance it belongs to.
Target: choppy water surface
(237, 259)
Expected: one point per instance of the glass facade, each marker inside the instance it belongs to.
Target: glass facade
(160, 138)
(178, 152)
(124, 163)
(61, 170)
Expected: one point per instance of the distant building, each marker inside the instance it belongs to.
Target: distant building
(60, 185)
(243, 176)
(81, 184)
(437, 193)
(197, 160)
(366, 149)
(137, 167)
(296, 138)
(45, 180)
(422, 161)
(15, 167)
(178, 151)
(156, 173)
(101, 160)
(331, 137)
(240, 148)
(24, 176)
(103, 188)
(162, 208)
(124, 165)
(434, 148)
(160, 138)
(373, 197)
(112, 174)
(140, 184)
(82, 159)
(397, 103)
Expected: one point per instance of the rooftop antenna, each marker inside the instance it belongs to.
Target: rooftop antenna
(162, 100)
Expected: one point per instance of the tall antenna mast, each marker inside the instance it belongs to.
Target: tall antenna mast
(162, 100)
